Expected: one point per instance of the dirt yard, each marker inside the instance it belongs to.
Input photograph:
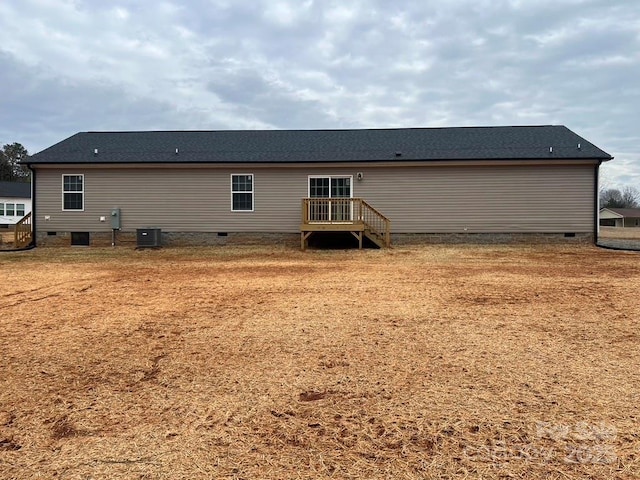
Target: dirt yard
(6, 239)
(270, 363)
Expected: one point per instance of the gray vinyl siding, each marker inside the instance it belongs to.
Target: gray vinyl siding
(417, 199)
(487, 199)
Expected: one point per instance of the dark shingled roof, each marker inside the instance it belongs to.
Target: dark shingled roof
(15, 190)
(304, 146)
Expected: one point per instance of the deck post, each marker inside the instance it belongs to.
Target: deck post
(359, 236)
(304, 211)
(387, 233)
(304, 237)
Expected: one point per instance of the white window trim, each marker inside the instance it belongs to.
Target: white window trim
(82, 192)
(350, 177)
(252, 192)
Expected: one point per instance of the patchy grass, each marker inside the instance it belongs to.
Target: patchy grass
(626, 233)
(250, 362)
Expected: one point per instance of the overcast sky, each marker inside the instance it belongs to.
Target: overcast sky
(79, 65)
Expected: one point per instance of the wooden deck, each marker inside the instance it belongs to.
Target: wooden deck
(353, 215)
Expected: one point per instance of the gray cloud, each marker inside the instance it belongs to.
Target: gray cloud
(78, 65)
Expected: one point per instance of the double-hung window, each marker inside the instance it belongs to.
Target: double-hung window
(11, 209)
(20, 209)
(242, 192)
(73, 192)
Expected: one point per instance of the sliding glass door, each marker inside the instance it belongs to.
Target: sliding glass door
(337, 191)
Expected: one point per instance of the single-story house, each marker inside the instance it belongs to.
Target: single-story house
(204, 187)
(15, 202)
(620, 217)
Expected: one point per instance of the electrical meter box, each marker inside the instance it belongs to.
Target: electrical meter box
(115, 219)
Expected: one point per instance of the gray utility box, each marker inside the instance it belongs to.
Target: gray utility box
(115, 219)
(149, 237)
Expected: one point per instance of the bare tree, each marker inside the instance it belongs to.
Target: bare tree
(628, 197)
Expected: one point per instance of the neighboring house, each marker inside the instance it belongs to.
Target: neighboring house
(15, 202)
(497, 183)
(620, 217)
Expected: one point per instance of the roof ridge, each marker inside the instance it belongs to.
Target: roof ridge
(371, 129)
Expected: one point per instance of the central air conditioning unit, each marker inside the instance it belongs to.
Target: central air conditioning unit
(149, 237)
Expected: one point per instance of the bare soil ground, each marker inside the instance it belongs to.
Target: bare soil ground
(6, 239)
(241, 363)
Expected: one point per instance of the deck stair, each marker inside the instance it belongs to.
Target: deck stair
(23, 232)
(352, 215)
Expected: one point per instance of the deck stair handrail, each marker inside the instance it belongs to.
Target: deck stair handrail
(23, 232)
(375, 222)
(345, 211)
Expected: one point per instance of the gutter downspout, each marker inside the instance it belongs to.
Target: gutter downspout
(596, 204)
(33, 206)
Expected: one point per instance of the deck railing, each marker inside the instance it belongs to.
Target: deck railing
(23, 232)
(330, 210)
(344, 211)
(376, 222)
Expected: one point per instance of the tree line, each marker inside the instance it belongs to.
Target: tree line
(11, 168)
(627, 197)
